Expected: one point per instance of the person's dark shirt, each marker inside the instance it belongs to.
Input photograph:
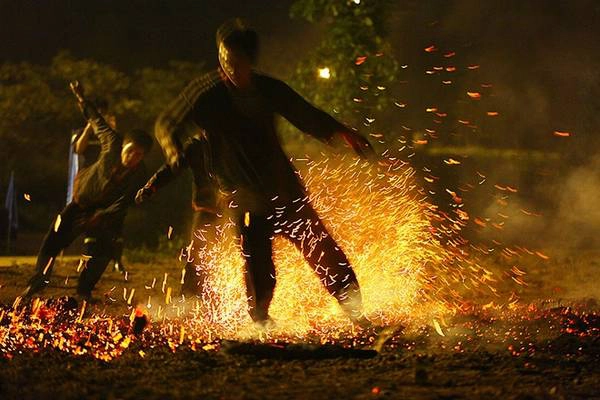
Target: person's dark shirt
(241, 148)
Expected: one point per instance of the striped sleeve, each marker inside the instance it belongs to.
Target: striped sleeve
(179, 114)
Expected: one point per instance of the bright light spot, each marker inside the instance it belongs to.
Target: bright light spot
(356, 1)
(324, 73)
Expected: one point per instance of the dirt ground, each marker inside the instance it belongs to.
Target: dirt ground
(547, 349)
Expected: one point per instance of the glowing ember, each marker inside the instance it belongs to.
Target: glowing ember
(562, 134)
(378, 217)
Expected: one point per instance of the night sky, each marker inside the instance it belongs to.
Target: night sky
(134, 33)
(541, 56)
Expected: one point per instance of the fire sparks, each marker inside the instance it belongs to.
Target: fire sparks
(562, 134)
(438, 328)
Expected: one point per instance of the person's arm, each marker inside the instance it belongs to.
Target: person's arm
(166, 173)
(313, 121)
(110, 142)
(161, 178)
(81, 143)
(177, 117)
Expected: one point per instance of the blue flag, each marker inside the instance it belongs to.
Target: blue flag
(73, 169)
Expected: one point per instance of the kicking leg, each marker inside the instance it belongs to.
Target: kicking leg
(65, 228)
(326, 258)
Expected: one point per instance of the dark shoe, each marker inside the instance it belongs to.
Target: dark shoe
(35, 285)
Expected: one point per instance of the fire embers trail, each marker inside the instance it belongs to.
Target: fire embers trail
(381, 220)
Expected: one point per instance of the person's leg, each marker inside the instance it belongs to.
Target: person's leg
(118, 247)
(195, 255)
(118, 254)
(99, 250)
(325, 257)
(65, 228)
(256, 244)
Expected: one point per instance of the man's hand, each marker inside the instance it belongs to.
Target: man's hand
(143, 194)
(77, 89)
(359, 144)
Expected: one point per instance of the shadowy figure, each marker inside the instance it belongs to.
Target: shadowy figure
(237, 160)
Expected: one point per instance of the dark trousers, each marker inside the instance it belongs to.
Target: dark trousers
(300, 224)
(99, 247)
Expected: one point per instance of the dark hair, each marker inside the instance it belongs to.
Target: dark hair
(140, 138)
(101, 104)
(237, 35)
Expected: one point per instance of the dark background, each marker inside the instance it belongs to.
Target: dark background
(135, 33)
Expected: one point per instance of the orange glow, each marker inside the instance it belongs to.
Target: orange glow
(360, 60)
(562, 134)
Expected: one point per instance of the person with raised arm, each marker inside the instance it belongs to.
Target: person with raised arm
(102, 194)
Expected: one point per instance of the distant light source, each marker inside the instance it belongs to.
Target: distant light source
(356, 1)
(324, 73)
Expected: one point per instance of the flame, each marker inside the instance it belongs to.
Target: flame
(410, 272)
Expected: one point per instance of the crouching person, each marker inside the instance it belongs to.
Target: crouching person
(103, 192)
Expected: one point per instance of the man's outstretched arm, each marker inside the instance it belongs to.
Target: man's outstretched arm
(177, 118)
(161, 178)
(314, 121)
(167, 173)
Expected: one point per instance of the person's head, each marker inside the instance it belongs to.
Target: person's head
(238, 51)
(136, 145)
